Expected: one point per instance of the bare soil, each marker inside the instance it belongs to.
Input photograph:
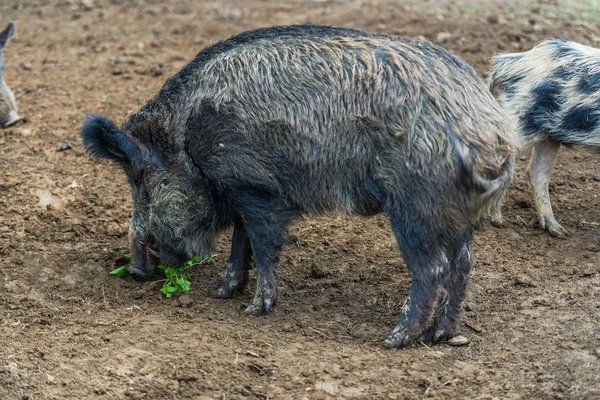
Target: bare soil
(69, 330)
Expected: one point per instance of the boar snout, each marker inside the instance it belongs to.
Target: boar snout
(148, 255)
(145, 259)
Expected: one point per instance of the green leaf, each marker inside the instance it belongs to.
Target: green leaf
(185, 287)
(121, 271)
(127, 255)
(170, 271)
(171, 289)
(195, 260)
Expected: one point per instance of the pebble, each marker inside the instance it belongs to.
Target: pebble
(524, 281)
(185, 300)
(318, 271)
(443, 37)
(597, 352)
(492, 18)
(64, 145)
(458, 341)
(87, 5)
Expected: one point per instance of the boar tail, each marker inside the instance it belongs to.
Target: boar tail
(472, 181)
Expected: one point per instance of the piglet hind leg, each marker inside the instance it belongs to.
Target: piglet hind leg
(454, 288)
(423, 250)
(544, 157)
(238, 265)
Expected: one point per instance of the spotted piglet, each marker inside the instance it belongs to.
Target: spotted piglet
(553, 94)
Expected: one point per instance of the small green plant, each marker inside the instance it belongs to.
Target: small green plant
(177, 279)
(122, 270)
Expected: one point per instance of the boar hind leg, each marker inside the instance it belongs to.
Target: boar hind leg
(454, 289)
(422, 246)
(544, 156)
(236, 271)
(266, 224)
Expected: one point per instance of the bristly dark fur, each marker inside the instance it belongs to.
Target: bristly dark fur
(280, 122)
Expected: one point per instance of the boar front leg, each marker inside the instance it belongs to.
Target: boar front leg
(266, 224)
(238, 265)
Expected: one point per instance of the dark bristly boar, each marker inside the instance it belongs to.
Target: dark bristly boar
(552, 94)
(8, 105)
(281, 122)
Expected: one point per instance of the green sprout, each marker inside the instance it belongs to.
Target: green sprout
(177, 279)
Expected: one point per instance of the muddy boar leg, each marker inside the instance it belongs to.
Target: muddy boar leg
(236, 271)
(544, 157)
(423, 252)
(454, 289)
(266, 224)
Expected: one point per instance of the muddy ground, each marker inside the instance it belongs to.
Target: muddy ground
(69, 330)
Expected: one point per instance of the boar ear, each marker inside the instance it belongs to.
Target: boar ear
(101, 138)
(7, 33)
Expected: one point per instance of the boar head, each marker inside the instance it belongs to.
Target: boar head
(173, 217)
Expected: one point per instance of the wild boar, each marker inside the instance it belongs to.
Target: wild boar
(286, 121)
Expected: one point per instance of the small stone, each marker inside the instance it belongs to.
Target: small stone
(597, 352)
(458, 341)
(87, 5)
(318, 271)
(443, 37)
(524, 281)
(49, 379)
(469, 306)
(156, 70)
(185, 300)
(492, 18)
(64, 145)
(328, 387)
(26, 66)
(233, 13)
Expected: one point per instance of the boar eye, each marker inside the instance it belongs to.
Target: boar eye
(137, 181)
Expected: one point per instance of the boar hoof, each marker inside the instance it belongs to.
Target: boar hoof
(228, 287)
(399, 338)
(260, 305)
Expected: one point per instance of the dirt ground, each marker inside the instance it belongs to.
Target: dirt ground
(69, 330)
